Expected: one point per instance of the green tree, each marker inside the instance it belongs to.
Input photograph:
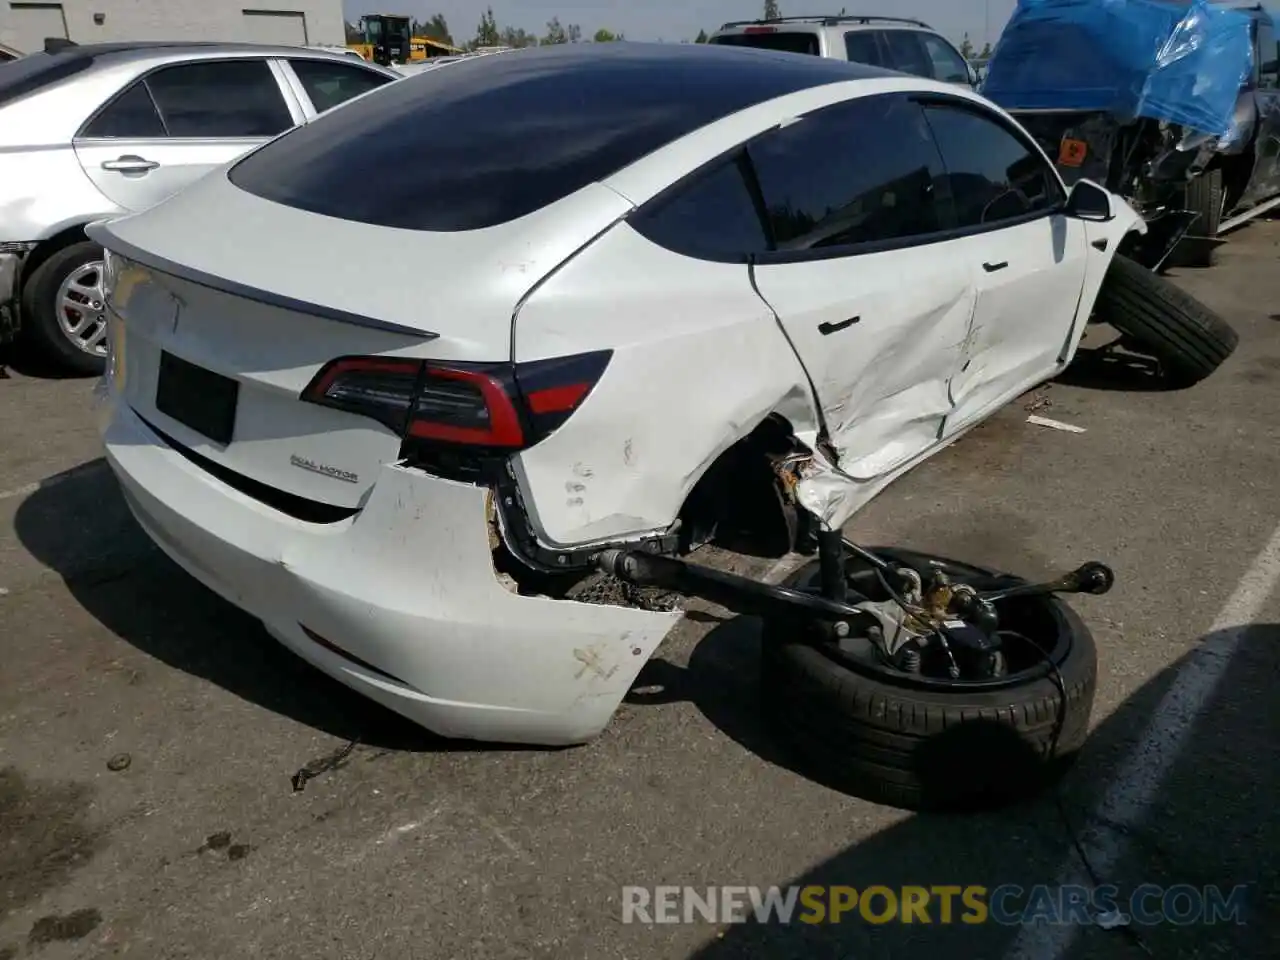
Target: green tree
(555, 33)
(487, 34)
(701, 37)
(574, 33)
(966, 48)
(771, 10)
(986, 51)
(437, 27)
(604, 36)
(517, 37)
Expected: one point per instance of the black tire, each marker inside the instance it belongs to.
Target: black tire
(40, 328)
(1204, 198)
(1189, 339)
(891, 742)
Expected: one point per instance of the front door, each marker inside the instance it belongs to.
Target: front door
(875, 303)
(178, 123)
(1029, 259)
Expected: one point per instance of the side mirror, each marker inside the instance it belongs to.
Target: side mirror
(1088, 201)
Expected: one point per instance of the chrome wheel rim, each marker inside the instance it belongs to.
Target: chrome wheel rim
(81, 308)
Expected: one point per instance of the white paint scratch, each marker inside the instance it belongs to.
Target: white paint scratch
(1143, 771)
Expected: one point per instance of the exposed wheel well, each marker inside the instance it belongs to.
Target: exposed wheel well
(745, 501)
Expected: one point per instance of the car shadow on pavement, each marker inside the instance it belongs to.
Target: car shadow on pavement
(78, 525)
(1212, 822)
(1099, 368)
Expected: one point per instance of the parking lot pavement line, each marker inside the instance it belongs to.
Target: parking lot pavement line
(1134, 790)
(73, 473)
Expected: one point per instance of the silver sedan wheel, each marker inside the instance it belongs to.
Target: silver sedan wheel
(82, 312)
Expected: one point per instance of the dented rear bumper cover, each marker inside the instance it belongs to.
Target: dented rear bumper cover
(406, 590)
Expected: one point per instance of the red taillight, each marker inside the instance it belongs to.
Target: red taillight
(442, 410)
(468, 406)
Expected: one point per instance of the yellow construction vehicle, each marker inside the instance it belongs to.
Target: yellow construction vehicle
(385, 39)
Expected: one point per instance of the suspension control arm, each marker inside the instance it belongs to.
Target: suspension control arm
(1092, 577)
(740, 594)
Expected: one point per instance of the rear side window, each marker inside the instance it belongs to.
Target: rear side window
(131, 115)
(860, 46)
(948, 65)
(329, 84)
(495, 138)
(906, 53)
(787, 42)
(993, 175)
(711, 218)
(861, 172)
(224, 98)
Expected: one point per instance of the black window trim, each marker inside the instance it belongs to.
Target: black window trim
(168, 138)
(740, 154)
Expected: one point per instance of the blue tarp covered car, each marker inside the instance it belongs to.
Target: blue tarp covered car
(1172, 103)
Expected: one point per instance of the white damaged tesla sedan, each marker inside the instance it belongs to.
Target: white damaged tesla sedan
(398, 380)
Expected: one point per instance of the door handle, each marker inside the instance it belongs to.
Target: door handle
(129, 163)
(993, 267)
(1100, 245)
(826, 329)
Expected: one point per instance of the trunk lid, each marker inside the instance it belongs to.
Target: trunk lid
(226, 306)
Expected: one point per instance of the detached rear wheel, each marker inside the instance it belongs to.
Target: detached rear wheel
(64, 315)
(920, 740)
(1189, 339)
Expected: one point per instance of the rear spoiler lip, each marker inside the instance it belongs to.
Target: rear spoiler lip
(99, 232)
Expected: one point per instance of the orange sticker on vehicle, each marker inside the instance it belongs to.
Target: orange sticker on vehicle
(1071, 153)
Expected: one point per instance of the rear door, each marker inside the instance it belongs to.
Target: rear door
(179, 122)
(874, 299)
(1029, 258)
(903, 51)
(324, 84)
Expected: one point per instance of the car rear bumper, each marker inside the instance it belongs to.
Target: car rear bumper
(406, 589)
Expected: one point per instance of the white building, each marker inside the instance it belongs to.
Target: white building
(24, 24)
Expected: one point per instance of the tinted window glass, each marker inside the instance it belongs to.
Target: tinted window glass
(859, 172)
(494, 138)
(329, 84)
(861, 47)
(992, 174)
(948, 65)
(1268, 57)
(906, 52)
(130, 115)
(229, 98)
(713, 217)
(787, 42)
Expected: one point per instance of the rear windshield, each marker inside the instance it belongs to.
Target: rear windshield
(495, 138)
(788, 42)
(36, 71)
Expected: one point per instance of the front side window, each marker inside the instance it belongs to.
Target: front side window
(861, 172)
(906, 53)
(329, 84)
(222, 98)
(132, 115)
(1268, 57)
(948, 65)
(992, 174)
(712, 218)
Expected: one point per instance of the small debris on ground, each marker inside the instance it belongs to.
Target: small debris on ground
(332, 761)
(216, 841)
(119, 762)
(1038, 400)
(1055, 424)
